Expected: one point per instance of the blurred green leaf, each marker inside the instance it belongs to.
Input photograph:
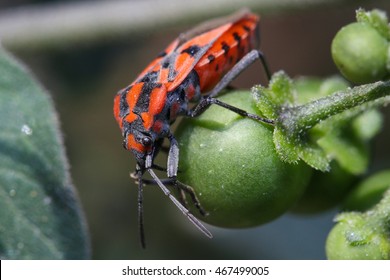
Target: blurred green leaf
(40, 215)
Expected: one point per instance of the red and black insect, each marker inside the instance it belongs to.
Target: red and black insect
(193, 68)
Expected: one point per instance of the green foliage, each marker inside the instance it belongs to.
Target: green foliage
(40, 216)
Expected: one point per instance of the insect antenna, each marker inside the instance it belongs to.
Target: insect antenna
(140, 210)
(184, 210)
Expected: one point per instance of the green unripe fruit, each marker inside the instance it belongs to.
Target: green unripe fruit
(232, 164)
(353, 238)
(364, 235)
(360, 53)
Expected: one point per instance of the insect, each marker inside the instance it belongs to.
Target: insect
(194, 68)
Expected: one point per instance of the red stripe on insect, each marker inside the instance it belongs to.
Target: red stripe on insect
(133, 95)
(156, 104)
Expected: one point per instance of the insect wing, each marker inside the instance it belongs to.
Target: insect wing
(155, 64)
(190, 52)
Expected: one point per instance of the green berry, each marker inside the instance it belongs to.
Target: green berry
(360, 53)
(232, 164)
(353, 238)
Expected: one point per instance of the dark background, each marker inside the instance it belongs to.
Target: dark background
(83, 78)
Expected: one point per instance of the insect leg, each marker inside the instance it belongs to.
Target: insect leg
(193, 196)
(158, 167)
(173, 162)
(181, 196)
(240, 66)
(247, 60)
(207, 101)
(173, 157)
(184, 210)
(182, 189)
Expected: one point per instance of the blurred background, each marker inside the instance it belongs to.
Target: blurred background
(83, 52)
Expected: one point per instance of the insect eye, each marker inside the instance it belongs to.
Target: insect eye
(146, 141)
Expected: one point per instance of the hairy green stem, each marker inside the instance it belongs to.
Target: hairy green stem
(299, 119)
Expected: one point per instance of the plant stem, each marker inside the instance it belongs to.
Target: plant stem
(297, 120)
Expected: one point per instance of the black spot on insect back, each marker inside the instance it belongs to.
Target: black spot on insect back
(150, 77)
(211, 58)
(246, 28)
(237, 38)
(165, 64)
(225, 48)
(192, 50)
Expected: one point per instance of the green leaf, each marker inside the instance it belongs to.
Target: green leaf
(280, 92)
(285, 146)
(346, 137)
(368, 124)
(40, 215)
(369, 192)
(314, 156)
(350, 152)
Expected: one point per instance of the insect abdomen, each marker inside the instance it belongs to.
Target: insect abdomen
(227, 51)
